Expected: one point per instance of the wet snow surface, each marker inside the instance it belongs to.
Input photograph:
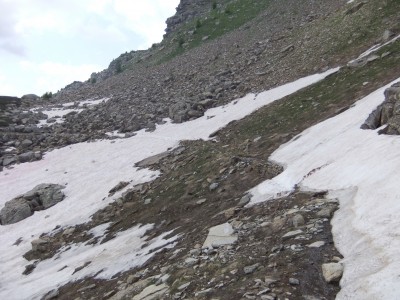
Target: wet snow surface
(357, 166)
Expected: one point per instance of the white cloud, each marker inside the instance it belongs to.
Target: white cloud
(66, 40)
(52, 75)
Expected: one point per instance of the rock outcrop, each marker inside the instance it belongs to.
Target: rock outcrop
(41, 197)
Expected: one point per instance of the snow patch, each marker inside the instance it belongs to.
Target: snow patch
(360, 168)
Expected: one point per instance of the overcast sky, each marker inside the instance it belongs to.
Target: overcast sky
(47, 44)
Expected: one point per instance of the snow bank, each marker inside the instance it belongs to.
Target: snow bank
(89, 171)
(361, 168)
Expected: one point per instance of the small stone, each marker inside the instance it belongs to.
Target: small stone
(213, 186)
(268, 297)
(195, 252)
(89, 287)
(316, 244)
(298, 220)
(250, 269)
(190, 262)
(152, 292)
(147, 201)
(332, 272)
(292, 234)
(69, 231)
(264, 291)
(29, 269)
(183, 286)
(244, 200)
(201, 201)
(39, 245)
(131, 279)
(326, 212)
(294, 281)
(203, 292)
(26, 143)
(220, 235)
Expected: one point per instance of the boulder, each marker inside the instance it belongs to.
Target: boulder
(48, 194)
(15, 211)
(41, 197)
(25, 157)
(332, 271)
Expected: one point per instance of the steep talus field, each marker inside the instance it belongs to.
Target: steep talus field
(246, 156)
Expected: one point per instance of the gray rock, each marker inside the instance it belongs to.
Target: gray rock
(298, 220)
(42, 196)
(184, 286)
(49, 194)
(213, 186)
(190, 262)
(25, 157)
(250, 269)
(326, 212)
(39, 245)
(220, 235)
(9, 160)
(152, 292)
(15, 211)
(387, 35)
(292, 234)
(26, 143)
(244, 200)
(294, 281)
(332, 272)
(317, 244)
(201, 201)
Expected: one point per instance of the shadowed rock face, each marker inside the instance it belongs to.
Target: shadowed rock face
(41, 197)
(388, 113)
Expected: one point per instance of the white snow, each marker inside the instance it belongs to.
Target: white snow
(115, 133)
(89, 171)
(361, 169)
(374, 49)
(60, 112)
(91, 102)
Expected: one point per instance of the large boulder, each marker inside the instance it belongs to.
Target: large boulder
(15, 211)
(41, 197)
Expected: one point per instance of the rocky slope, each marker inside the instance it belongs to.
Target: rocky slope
(281, 249)
(180, 81)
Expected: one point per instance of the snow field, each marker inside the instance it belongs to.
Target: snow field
(89, 171)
